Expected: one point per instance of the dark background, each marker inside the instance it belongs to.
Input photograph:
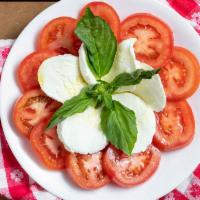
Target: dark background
(14, 16)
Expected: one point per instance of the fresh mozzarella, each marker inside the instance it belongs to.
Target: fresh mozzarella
(81, 133)
(124, 59)
(84, 68)
(59, 77)
(151, 91)
(124, 62)
(145, 119)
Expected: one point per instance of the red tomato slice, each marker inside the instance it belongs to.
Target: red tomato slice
(27, 71)
(59, 35)
(106, 12)
(127, 171)
(181, 76)
(175, 126)
(46, 144)
(154, 38)
(33, 106)
(86, 170)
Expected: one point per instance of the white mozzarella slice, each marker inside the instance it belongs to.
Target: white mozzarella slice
(84, 68)
(59, 77)
(151, 91)
(81, 133)
(145, 119)
(124, 59)
(124, 62)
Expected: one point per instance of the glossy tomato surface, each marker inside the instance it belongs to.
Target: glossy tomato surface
(175, 126)
(86, 170)
(154, 38)
(27, 70)
(106, 12)
(59, 35)
(128, 171)
(30, 109)
(181, 76)
(46, 144)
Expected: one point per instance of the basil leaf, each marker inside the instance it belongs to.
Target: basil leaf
(77, 104)
(100, 43)
(119, 126)
(126, 79)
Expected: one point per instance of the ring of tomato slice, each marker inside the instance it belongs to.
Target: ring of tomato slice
(46, 144)
(128, 171)
(30, 109)
(181, 76)
(154, 38)
(59, 35)
(28, 68)
(175, 126)
(105, 11)
(86, 170)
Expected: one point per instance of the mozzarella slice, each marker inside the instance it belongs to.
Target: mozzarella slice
(124, 59)
(84, 68)
(145, 119)
(59, 77)
(151, 91)
(81, 133)
(124, 62)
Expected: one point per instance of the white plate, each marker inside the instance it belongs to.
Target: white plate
(174, 167)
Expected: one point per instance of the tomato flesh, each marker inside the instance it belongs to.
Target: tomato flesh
(32, 107)
(181, 76)
(128, 171)
(175, 126)
(59, 35)
(45, 142)
(106, 12)
(86, 170)
(154, 38)
(27, 71)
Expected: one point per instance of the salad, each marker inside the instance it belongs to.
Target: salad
(103, 98)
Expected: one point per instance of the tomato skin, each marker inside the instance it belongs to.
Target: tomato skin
(106, 12)
(155, 38)
(28, 68)
(116, 164)
(30, 108)
(181, 76)
(175, 126)
(43, 141)
(59, 35)
(86, 170)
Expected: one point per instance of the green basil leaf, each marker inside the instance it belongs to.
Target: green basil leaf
(100, 43)
(77, 104)
(126, 79)
(119, 126)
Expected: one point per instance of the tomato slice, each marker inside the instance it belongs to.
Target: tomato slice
(27, 71)
(86, 170)
(33, 106)
(181, 76)
(154, 38)
(59, 35)
(106, 12)
(47, 145)
(128, 171)
(175, 126)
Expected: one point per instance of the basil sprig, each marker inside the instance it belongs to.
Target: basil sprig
(119, 126)
(99, 41)
(117, 121)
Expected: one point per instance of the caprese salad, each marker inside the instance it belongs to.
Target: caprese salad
(102, 98)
